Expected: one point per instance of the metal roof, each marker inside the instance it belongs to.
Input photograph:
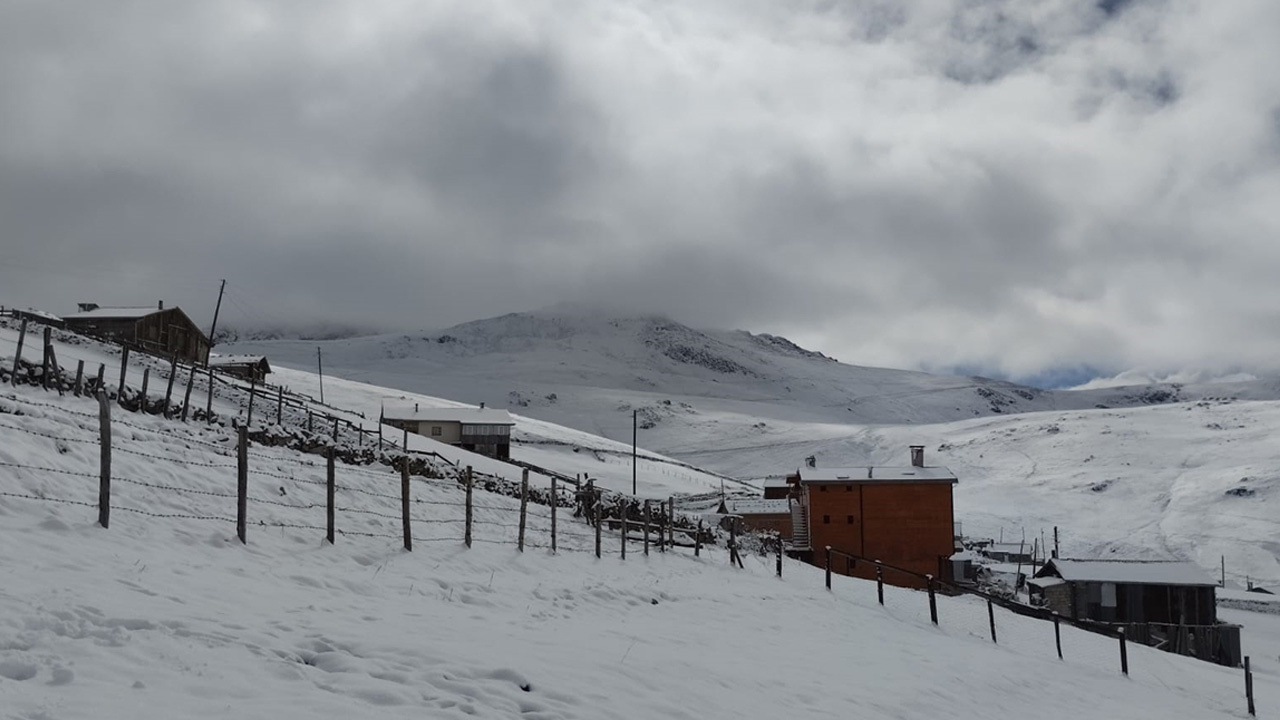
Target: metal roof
(1129, 572)
(469, 416)
(877, 474)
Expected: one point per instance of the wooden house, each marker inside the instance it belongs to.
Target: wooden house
(166, 332)
(901, 516)
(481, 430)
(767, 514)
(1008, 552)
(247, 367)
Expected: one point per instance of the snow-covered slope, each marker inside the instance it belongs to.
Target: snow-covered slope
(163, 616)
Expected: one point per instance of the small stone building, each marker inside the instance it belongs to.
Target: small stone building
(482, 430)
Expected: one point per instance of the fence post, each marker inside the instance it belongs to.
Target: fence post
(253, 388)
(991, 616)
(828, 567)
(467, 536)
(242, 482)
(310, 418)
(624, 533)
(1124, 654)
(280, 405)
(146, 379)
(1248, 686)
(1057, 635)
(933, 600)
(102, 375)
(331, 485)
(168, 393)
(79, 386)
(555, 501)
(779, 556)
(671, 525)
(734, 557)
(524, 505)
(335, 434)
(22, 336)
(186, 397)
(404, 504)
(57, 370)
(599, 512)
(104, 440)
(662, 523)
(208, 405)
(879, 582)
(697, 540)
(44, 364)
(646, 528)
(124, 366)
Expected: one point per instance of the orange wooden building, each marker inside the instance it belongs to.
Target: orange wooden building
(901, 516)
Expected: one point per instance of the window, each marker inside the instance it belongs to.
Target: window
(848, 488)
(823, 488)
(826, 519)
(436, 431)
(850, 520)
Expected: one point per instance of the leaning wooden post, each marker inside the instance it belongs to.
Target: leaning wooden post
(104, 440)
(331, 486)
(779, 556)
(662, 524)
(646, 528)
(279, 404)
(555, 501)
(671, 525)
(524, 506)
(335, 431)
(146, 378)
(879, 582)
(208, 405)
(124, 366)
(242, 482)
(253, 391)
(1248, 686)
(828, 567)
(467, 537)
(44, 364)
(22, 336)
(991, 616)
(933, 600)
(186, 397)
(404, 503)
(1057, 635)
(168, 392)
(79, 384)
(599, 512)
(56, 369)
(1124, 653)
(310, 418)
(624, 533)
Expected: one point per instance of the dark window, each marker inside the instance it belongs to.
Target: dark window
(850, 520)
(436, 431)
(848, 488)
(823, 488)
(826, 519)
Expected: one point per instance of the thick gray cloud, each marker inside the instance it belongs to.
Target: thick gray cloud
(1006, 186)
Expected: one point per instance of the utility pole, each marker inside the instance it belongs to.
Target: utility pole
(320, 367)
(214, 328)
(634, 426)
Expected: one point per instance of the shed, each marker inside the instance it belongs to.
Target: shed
(1128, 591)
(249, 367)
(166, 332)
(482, 430)
(760, 513)
(1009, 552)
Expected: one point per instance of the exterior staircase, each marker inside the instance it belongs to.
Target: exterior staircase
(799, 527)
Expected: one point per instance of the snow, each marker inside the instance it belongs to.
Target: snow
(884, 474)
(218, 360)
(163, 617)
(488, 416)
(108, 313)
(1130, 572)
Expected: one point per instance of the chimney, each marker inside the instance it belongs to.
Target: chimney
(811, 461)
(481, 406)
(415, 407)
(87, 307)
(161, 305)
(917, 456)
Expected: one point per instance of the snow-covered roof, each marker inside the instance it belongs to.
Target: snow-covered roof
(469, 416)
(756, 506)
(1129, 572)
(883, 474)
(106, 313)
(217, 360)
(778, 481)
(31, 312)
(1014, 548)
(1046, 582)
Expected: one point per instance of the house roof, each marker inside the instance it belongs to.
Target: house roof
(217, 360)
(756, 506)
(877, 474)
(1128, 572)
(777, 481)
(121, 313)
(469, 416)
(1015, 548)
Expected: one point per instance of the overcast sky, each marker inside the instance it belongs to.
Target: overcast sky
(1013, 188)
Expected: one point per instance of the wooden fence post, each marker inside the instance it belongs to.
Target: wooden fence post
(467, 537)
(779, 556)
(524, 505)
(79, 384)
(662, 524)
(168, 392)
(335, 433)
(697, 540)
(646, 528)
(124, 366)
(671, 524)
(57, 370)
(991, 616)
(310, 418)
(22, 336)
(879, 582)
(828, 567)
(186, 398)
(104, 440)
(624, 533)
(102, 377)
(1124, 653)
(208, 405)
(734, 558)
(242, 482)
(599, 513)
(331, 485)
(933, 600)
(253, 391)
(44, 364)
(1248, 686)
(555, 500)
(1057, 635)
(404, 503)
(279, 404)
(146, 378)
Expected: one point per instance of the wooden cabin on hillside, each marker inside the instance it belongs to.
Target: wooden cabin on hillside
(247, 367)
(166, 332)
